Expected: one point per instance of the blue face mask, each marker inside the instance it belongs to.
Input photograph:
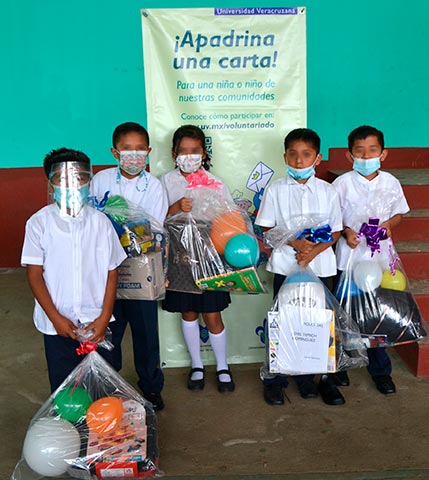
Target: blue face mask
(301, 173)
(71, 198)
(366, 167)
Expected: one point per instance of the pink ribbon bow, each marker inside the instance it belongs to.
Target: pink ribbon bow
(86, 347)
(201, 179)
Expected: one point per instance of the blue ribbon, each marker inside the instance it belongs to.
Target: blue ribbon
(317, 235)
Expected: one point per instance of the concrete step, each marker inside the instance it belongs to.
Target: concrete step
(414, 226)
(415, 258)
(415, 183)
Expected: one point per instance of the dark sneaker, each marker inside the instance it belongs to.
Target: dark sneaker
(307, 389)
(273, 394)
(329, 391)
(385, 384)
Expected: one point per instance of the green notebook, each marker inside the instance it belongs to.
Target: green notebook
(239, 281)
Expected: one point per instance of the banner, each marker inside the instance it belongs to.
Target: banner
(240, 75)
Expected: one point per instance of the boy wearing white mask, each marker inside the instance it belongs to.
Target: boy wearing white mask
(301, 193)
(190, 154)
(363, 187)
(71, 252)
(131, 180)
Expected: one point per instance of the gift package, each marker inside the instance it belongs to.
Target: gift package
(94, 426)
(145, 241)
(213, 247)
(309, 332)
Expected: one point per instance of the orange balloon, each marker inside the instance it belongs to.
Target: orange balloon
(104, 414)
(226, 226)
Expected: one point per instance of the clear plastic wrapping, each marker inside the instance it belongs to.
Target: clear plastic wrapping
(94, 426)
(309, 332)
(213, 247)
(142, 275)
(375, 291)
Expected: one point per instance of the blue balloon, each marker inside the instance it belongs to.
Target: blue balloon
(301, 277)
(347, 288)
(242, 250)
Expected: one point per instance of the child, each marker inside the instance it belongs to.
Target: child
(362, 186)
(190, 154)
(130, 180)
(301, 193)
(71, 252)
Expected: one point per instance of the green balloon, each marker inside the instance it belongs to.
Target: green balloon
(117, 207)
(72, 403)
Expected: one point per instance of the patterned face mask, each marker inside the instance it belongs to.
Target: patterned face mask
(133, 161)
(189, 163)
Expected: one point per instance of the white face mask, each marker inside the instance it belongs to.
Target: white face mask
(189, 163)
(132, 161)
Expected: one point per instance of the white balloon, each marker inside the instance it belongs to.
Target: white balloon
(48, 442)
(367, 275)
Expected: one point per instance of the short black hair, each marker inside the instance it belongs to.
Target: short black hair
(128, 127)
(362, 132)
(62, 155)
(191, 131)
(306, 135)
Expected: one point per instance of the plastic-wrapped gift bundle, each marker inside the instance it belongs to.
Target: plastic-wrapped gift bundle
(142, 275)
(374, 290)
(213, 246)
(94, 426)
(309, 332)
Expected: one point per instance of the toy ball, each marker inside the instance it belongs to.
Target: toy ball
(226, 226)
(48, 443)
(347, 288)
(367, 275)
(394, 282)
(104, 414)
(242, 250)
(72, 403)
(300, 277)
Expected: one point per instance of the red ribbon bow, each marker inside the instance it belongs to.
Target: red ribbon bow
(86, 347)
(201, 179)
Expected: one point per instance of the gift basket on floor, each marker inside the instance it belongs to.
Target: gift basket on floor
(213, 247)
(375, 291)
(94, 426)
(308, 331)
(142, 275)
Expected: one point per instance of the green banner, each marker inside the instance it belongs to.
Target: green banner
(240, 75)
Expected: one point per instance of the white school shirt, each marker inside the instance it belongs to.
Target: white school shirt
(360, 199)
(151, 198)
(76, 254)
(284, 201)
(175, 185)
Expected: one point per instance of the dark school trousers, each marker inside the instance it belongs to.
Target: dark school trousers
(142, 316)
(379, 364)
(281, 379)
(62, 358)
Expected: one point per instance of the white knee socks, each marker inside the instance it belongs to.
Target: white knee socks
(218, 343)
(191, 333)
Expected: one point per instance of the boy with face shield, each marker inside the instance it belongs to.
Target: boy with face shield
(71, 252)
(131, 181)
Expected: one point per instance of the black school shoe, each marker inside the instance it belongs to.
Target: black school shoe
(329, 391)
(196, 384)
(307, 389)
(341, 379)
(385, 384)
(223, 387)
(155, 399)
(273, 394)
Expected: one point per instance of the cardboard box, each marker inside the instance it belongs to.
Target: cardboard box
(141, 278)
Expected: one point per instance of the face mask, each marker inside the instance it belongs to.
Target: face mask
(366, 167)
(71, 198)
(132, 161)
(301, 173)
(189, 163)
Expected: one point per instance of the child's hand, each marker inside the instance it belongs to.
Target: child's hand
(64, 327)
(303, 259)
(185, 204)
(351, 238)
(388, 228)
(99, 327)
(303, 245)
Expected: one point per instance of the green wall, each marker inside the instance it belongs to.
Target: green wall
(71, 71)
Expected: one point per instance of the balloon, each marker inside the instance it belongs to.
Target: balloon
(394, 282)
(367, 275)
(49, 442)
(224, 227)
(348, 288)
(104, 414)
(300, 277)
(242, 250)
(72, 403)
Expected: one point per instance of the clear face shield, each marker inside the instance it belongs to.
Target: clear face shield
(69, 186)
